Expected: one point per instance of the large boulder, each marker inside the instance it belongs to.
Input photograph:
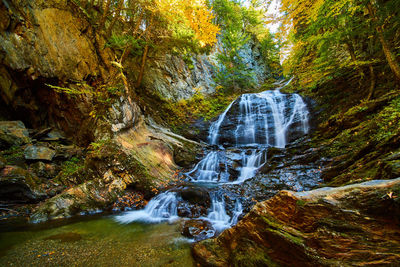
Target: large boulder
(90, 196)
(13, 133)
(354, 225)
(156, 148)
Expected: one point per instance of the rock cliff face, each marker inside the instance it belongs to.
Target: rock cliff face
(45, 42)
(353, 225)
(53, 42)
(173, 79)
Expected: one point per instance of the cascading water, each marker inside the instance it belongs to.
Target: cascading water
(259, 120)
(242, 135)
(214, 129)
(163, 207)
(218, 216)
(236, 212)
(209, 170)
(250, 164)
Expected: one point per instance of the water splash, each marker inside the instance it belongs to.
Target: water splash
(161, 208)
(217, 215)
(250, 164)
(209, 170)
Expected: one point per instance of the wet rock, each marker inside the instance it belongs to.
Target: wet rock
(34, 152)
(274, 152)
(188, 210)
(351, 225)
(196, 196)
(90, 196)
(17, 184)
(198, 229)
(186, 156)
(13, 133)
(41, 133)
(234, 173)
(197, 131)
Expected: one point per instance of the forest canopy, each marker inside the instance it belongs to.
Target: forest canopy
(335, 38)
(186, 27)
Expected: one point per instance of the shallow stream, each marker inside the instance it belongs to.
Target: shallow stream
(93, 241)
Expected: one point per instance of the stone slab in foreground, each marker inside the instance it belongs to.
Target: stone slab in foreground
(357, 225)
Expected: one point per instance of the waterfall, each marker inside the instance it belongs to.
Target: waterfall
(259, 120)
(243, 132)
(218, 216)
(214, 129)
(163, 207)
(236, 212)
(207, 169)
(250, 164)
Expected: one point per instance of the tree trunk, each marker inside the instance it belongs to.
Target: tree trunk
(144, 57)
(390, 57)
(350, 48)
(373, 82)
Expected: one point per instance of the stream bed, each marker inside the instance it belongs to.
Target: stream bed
(93, 241)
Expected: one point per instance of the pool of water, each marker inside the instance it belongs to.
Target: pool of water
(92, 241)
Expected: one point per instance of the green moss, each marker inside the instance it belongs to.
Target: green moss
(13, 155)
(178, 115)
(250, 254)
(300, 203)
(274, 227)
(388, 121)
(72, 166)
(71, 171)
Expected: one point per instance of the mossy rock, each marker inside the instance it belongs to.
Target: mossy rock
(19, 184)
(13, 133)
(251, 254)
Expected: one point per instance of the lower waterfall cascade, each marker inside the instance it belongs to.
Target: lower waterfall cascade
(239, 141)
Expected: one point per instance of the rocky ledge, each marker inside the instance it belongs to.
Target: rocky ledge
(355, 225)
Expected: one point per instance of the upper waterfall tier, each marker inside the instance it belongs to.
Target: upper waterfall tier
(269, 118)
